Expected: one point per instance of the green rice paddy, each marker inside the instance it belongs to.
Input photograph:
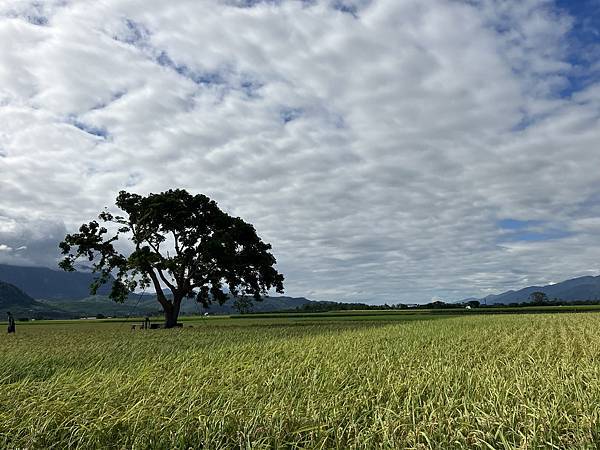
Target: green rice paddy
(354, 381)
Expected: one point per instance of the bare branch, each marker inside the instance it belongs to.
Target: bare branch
(167, 282)
(160, 295)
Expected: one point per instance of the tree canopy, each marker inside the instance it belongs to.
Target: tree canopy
(181, 242)
(538, 297)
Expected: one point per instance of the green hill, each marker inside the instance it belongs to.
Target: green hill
(21, 305)
(13, 296)
(42, 282)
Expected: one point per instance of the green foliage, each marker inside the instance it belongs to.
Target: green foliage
(243, 305)
(181, 241)
(519, 381)
(538, 297)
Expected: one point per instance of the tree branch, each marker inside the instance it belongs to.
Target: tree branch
(160, 295)
(176, 239)
(156, 249)
(167, 282)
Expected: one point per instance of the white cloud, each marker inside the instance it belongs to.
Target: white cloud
(376, 144)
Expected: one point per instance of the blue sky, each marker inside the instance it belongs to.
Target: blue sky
(389, 150)
(582, 49)
(530, 231)
(583, 42)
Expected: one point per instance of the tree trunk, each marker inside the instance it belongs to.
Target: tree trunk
(170, 318)
(172, 313)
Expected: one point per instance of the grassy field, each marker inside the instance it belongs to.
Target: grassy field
(396, 381)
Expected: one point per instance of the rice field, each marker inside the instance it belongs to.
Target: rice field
(525, 381)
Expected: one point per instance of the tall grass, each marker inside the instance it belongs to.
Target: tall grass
(478, 382)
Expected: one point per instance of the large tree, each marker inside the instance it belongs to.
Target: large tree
(538, 297)
(180, 242)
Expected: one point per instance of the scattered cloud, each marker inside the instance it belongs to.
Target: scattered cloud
(390, 150)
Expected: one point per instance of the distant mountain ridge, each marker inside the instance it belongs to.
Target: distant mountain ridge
(45, 283)
(68, 293)
(147, 305)
(14, 300)
(12, 295)
(581, 288)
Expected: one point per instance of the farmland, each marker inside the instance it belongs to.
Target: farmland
(325, 381)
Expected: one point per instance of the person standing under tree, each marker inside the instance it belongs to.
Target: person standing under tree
(11, 324)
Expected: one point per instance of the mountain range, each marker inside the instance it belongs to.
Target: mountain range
(45, 283)
(147, 305)
(576, 289)
(14, 300)
(41, 292)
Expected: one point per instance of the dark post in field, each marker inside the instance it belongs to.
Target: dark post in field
(11, 324)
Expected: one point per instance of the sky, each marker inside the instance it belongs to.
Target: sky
(389, 150)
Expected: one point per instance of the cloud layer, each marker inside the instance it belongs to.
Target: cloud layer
(390, 150)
